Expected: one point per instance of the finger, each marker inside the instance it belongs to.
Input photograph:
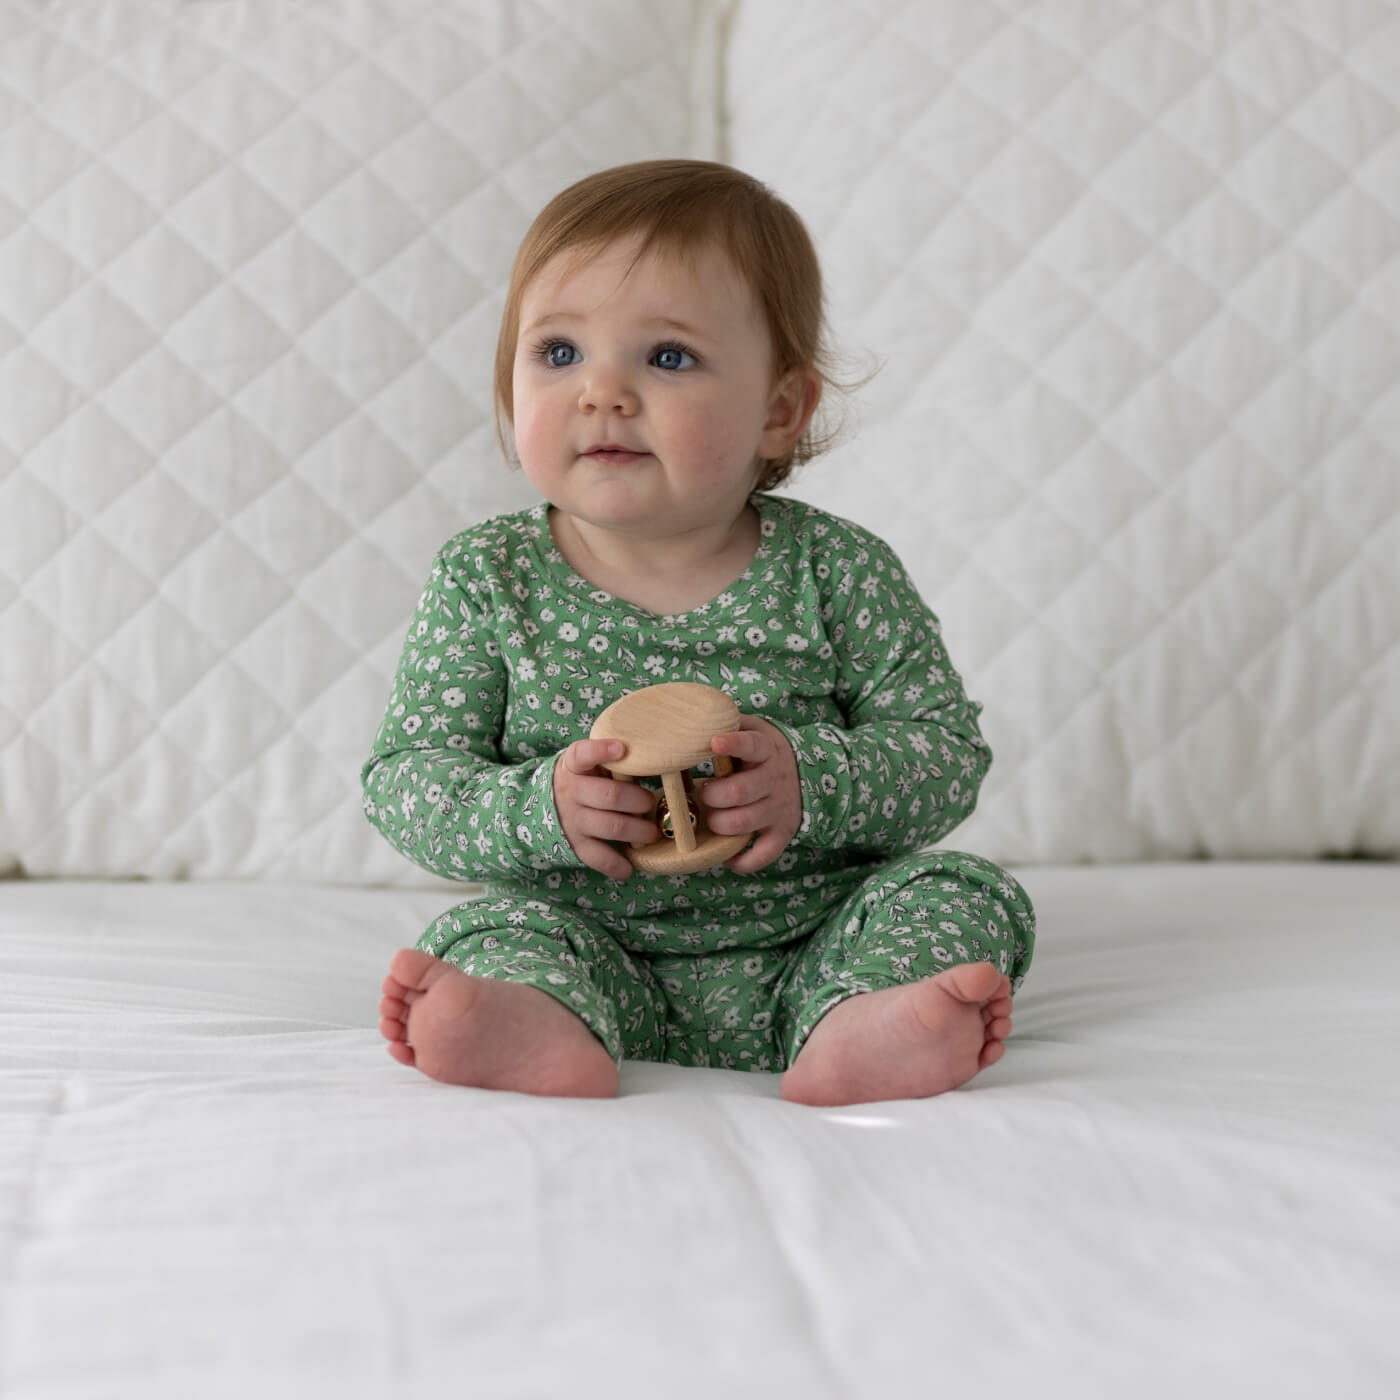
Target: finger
(730, 821)
(609, 795)
(587, 754)
(616, 826)
(605, 859)
(736, 790)
(747, 745)
(763, 852)
(770, 814)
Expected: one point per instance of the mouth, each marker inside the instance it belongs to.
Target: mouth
(613, 454)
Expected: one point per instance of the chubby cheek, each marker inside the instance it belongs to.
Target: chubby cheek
(537, 427)
(713, 443)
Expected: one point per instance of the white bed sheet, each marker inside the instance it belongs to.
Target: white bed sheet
(1184, 1177)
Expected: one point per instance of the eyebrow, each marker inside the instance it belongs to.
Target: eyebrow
(660, 322)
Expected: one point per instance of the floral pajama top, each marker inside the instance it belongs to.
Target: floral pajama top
(511, 656)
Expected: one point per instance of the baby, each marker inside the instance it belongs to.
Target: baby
(660, 358)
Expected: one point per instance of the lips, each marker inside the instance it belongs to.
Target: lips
(613, 454)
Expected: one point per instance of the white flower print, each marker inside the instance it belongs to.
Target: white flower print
(808, 636)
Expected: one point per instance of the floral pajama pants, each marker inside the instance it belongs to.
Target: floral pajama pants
(746, 1008)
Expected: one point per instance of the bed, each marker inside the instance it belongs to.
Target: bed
(1183, 1177)
(1127, 279)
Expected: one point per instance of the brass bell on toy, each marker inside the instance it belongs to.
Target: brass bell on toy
(667, 729)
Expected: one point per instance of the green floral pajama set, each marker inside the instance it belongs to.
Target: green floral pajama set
(510, 658)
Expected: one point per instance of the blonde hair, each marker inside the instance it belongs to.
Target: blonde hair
(679, 206)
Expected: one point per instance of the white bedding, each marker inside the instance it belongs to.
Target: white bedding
(1183, 1179)
(1132, 273)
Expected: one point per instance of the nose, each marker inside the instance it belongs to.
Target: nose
(605, 391)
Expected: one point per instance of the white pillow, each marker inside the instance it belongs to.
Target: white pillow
(252, 258)
(1134, 275)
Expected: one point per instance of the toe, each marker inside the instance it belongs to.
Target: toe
(975, 982)
(992, 1051)
(414, 970)
(401, 1052)
(998, 1010)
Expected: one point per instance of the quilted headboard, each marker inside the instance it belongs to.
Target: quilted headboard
(1131, 274)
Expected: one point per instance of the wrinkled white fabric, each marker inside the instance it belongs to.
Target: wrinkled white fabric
(1183, 1178)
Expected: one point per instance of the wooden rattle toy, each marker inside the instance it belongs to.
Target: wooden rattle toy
(667, 729)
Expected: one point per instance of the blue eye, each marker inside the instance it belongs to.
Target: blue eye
(672, 357)
(558, 354)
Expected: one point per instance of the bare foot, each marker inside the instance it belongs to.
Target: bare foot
(906, 1042)
(488, 1033)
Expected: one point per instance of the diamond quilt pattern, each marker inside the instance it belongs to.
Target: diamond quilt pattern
(252, 257)
(1131, 274)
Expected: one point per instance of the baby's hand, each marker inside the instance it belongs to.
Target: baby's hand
(764, 796)
(596, 808)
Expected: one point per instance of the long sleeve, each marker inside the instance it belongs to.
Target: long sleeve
(906, 767)
(436, 784)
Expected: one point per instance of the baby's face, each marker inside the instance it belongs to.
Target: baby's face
(643, 394)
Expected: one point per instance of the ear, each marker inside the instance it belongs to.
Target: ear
(790, 407)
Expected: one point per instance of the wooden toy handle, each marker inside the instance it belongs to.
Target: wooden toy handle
(678, 802)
